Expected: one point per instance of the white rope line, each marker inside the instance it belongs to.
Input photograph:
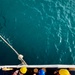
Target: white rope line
(40, 66)
(21, 59)
(9, 45)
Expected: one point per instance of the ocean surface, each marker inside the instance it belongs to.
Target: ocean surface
(42, 30)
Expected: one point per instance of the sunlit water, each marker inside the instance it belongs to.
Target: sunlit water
(42, 30)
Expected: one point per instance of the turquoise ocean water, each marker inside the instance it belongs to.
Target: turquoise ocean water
(42, 30)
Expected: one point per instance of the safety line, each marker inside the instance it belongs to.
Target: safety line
(20, 57)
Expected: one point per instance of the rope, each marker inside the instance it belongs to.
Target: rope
(9, 45)
(20, 57)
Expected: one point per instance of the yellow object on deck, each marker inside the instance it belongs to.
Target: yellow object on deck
(23, 70)
(7, 69)
(64, 72)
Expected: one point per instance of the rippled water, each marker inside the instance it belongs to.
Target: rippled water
(42, 30)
